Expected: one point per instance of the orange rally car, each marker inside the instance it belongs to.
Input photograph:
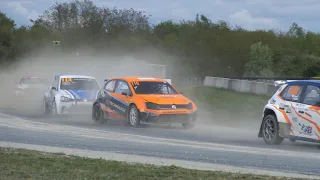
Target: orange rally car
(143, 100)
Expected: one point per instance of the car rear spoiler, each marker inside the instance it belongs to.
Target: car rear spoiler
(282, 82)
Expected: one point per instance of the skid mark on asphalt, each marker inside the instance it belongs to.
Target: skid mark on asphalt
(19, 123)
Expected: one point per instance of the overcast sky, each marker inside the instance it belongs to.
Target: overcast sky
(249, 14)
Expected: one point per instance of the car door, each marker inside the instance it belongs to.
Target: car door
(122, 96)
(108, 98)
(309, 113)
(292, 96)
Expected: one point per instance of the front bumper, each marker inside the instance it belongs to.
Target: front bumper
(168, 118)
(75, 108)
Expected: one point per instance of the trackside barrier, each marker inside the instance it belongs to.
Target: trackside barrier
(241, 85)
(188, 81)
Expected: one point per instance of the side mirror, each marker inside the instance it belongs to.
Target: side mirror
(54, 88)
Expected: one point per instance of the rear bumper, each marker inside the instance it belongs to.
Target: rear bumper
(168, 118)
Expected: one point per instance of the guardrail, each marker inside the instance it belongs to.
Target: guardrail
(238, 85)
(188, 81)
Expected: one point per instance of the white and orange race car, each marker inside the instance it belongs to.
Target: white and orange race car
(293, 112)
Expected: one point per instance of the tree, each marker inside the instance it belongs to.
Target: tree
(6, 36)
(260, 61)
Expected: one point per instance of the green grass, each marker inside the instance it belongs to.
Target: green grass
(226, 104)
(32, 165)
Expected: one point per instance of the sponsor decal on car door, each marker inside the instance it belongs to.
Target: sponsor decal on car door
(108, 99)
(308, 113)
(291, 97)
(121, 98)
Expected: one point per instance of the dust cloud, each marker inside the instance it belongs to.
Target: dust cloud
(47, 63)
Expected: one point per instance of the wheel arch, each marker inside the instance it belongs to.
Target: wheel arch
(267, 111)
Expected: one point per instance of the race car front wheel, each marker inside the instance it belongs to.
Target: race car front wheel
(45, 108)
(54, 108)
(134, 118)
(270, 130)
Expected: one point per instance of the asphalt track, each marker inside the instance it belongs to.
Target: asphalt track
(233, 147)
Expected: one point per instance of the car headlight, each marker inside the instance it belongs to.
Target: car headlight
(152, 106)
(65, 99)
(189, 106)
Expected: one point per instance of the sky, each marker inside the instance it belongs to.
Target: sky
(249, 14)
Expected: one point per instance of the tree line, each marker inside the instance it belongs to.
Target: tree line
(207, 48)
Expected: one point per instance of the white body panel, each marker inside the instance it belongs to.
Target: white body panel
(303, 119)
(79, 101)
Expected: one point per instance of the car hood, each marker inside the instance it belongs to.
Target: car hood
(166, 99)
(80, 94)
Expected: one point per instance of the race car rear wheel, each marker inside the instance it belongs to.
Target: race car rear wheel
(270, 130)
(134, 118)
(45, 108)
(97, 114)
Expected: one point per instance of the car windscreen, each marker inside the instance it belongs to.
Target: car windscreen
(32, 81)
(147, 87)
(79, 84)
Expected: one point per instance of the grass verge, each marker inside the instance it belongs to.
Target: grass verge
(226, 104)
(33, 165)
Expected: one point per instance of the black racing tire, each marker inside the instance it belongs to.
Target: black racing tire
(270, 130)
(98, 114)
(53, 112)
(45, 107)
(188, 125)
(134, 116)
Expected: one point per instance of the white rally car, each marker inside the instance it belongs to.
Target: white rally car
(70, 94)
(29, 84)
(293, 112)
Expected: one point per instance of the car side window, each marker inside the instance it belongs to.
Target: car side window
(292, 93)
(110, 85)
(312, 96)
(122, 86)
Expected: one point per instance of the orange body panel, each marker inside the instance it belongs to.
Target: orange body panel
(162, 99)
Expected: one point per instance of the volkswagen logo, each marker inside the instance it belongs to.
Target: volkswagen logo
(174, 107)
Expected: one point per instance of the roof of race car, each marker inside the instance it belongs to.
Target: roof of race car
(139, 78)
(314, 82)
(74, 76)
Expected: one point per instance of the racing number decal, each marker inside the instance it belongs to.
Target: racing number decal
(66, 80)
(135, 83)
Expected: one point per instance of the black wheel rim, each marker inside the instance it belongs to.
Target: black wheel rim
(133, 116)
(269, 129)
